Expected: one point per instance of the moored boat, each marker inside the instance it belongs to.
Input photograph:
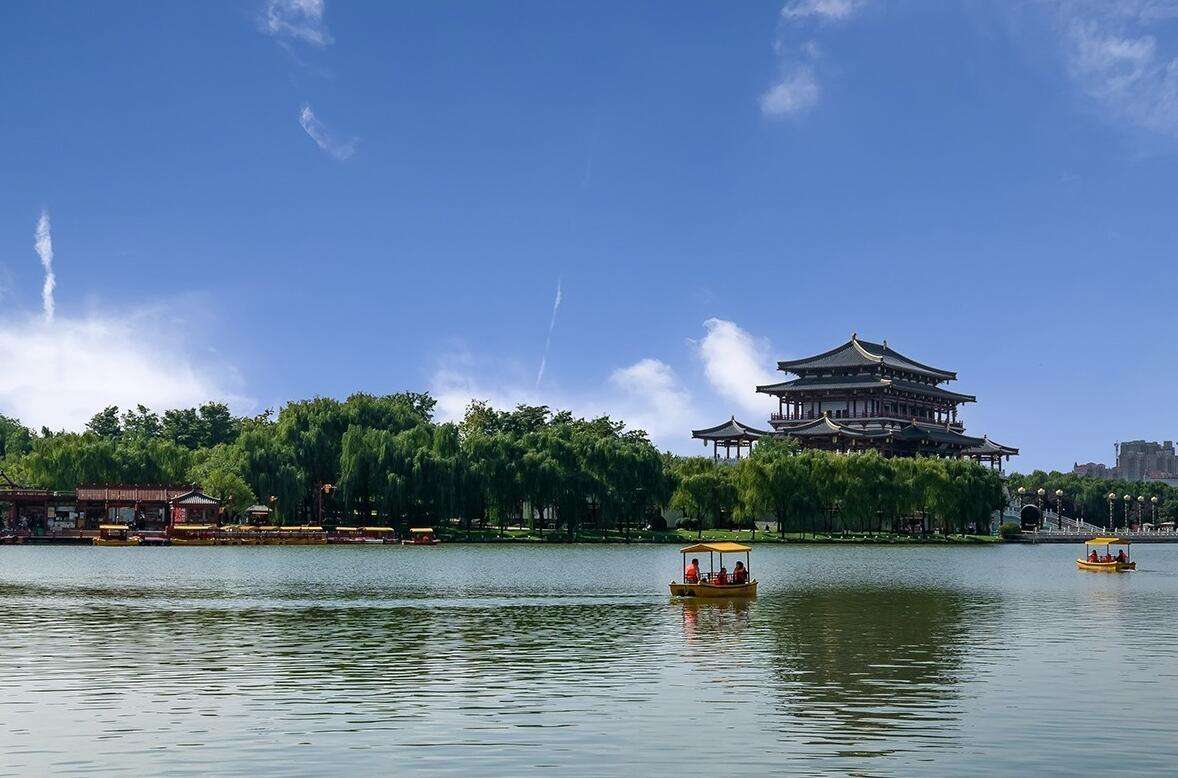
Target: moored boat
(115, 535)
(715, 584)
(1106, 562)
(192, 535)
(421, 536)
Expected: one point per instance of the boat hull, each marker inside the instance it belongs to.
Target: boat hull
(712, 591)
(116, 542)
(1105, 567)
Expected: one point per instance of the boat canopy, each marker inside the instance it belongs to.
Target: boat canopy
(1106, 542)
(378, 529)
(193, 527)
(422, 530)
(345, 529)
(113, 526)
(302, 528)
(723, 547)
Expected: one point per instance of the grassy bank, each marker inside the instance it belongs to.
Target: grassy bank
(687, 537)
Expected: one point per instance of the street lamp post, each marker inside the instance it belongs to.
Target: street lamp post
(1128, 502)
(1140, 509)
(1039, 501)
(1112, 501)
(1153, 501)
(1059, 508)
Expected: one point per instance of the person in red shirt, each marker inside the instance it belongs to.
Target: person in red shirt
(1094, 557)
(691, 574)
(722, 577)
(740, 574)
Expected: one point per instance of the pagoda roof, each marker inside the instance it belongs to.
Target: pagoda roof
(824, 426)
(863, 353)
(936, 433)
(730, 430)
(862, 382)
(989, 448)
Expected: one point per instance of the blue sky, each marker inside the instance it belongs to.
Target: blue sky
(262, 201)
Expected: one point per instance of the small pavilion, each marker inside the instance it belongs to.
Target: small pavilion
(732, 434)
(989, 451)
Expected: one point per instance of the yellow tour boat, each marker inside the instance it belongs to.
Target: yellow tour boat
(192, 535)
(115, 535)
(1106, 562)
(421, 536)
(707, 585)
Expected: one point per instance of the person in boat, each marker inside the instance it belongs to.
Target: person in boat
(691, 574)
(1094, 557)
(722, 577)
(1121, 556)
(740, 574)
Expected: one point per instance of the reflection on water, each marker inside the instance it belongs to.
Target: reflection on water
(313, 661)
(873, 670)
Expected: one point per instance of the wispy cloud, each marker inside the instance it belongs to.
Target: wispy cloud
(1113, 55)
(797, 88)
(341, 150)
(296, 20)
(44, 247)
(548, 340)
(60, 370)
(795, 93)
(829, 10)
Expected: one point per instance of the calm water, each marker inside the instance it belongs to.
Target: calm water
(498, 659)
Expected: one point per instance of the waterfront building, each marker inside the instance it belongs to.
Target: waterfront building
(81, 511)
(1142, 460)
(862, 396)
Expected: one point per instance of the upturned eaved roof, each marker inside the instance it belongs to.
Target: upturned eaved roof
(863, 353)
(729, 430)
(195, 497)
(809, 383)
(990, 448)
(824, 426)
(935, 433)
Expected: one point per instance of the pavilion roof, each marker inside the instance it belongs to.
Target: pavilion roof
(810, 383)
(730, 430)
(936, 433)
(989, 447)
(195, 497)
(863, 353)
(824, 426)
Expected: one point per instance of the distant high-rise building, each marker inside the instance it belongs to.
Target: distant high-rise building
(1141, 460)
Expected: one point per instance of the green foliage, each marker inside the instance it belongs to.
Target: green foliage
(1010, 529)
(1088, 497)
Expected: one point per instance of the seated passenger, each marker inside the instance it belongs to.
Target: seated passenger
(1094, 557)
(1121, 556)
(740, 574)
(691, 574)
(721, 577)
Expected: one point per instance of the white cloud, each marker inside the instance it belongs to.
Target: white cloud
(297, 20)
(649, 394)
(827, 10)
(1116, 62)
(798, 89)
(341, 150)
(58, 371)
(735, 363)
(646, 395)
(794, 94)
(44, 248)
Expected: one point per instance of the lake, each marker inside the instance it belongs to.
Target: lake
(572, 660)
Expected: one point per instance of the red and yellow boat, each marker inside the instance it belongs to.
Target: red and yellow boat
(707, 586)
(1106, 562)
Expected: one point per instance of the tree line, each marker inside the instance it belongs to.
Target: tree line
(1087, 498)
(386, 460)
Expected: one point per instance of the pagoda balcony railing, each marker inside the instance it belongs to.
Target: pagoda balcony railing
(841, 416)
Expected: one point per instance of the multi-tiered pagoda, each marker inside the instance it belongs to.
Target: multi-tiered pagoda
(863, 395)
